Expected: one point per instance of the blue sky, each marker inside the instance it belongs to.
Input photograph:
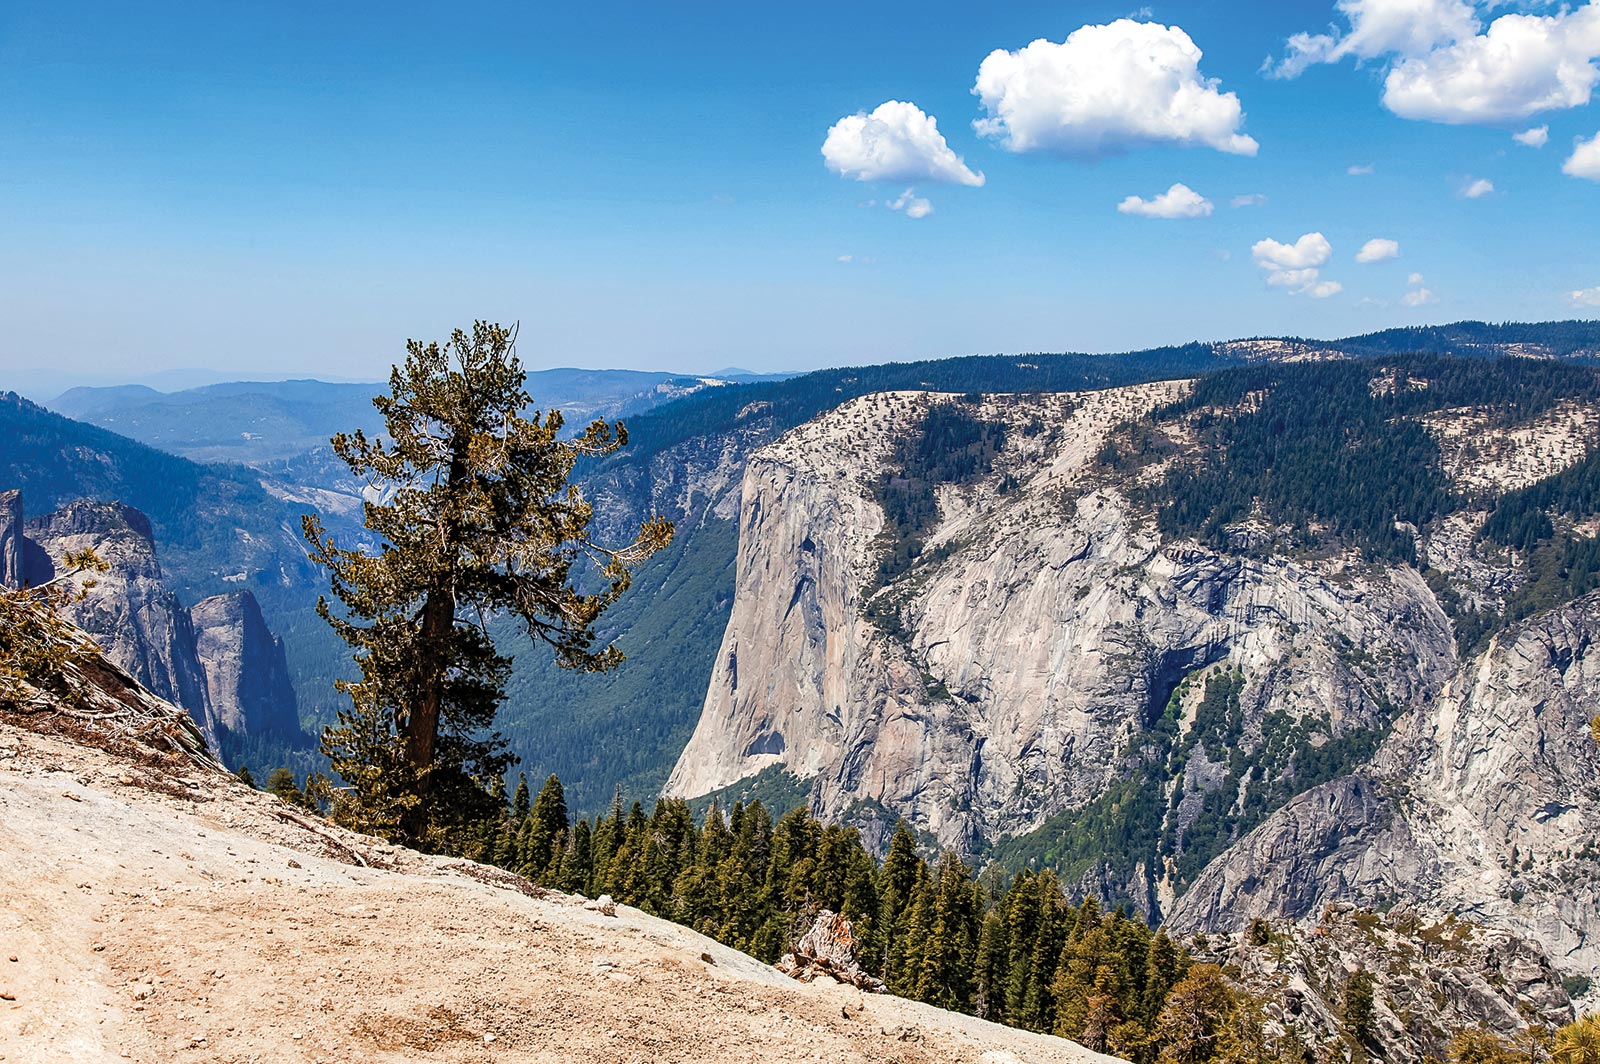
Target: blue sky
(287, 189)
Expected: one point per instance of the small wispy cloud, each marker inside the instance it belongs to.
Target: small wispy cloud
(1420, 295)
(1477, 188)
(1179, 201)
(1537, 137)
(913, 205)
(1378, 250)
(1362, 170)
(1249, 199)
(1587, 297)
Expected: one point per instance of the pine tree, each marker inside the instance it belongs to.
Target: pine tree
(1164, 966)
(1022, 927)
(520, 804)
(990, 976)
(1243, 1035)
(1358, 1006)
(480, 518)
(548, 820)
(281, 783)
(1038, 1005)
(1578, 1043)
(1189, 1021)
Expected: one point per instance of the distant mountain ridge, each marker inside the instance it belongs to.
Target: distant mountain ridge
(262, 422)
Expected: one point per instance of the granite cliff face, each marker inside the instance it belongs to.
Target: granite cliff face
(11, 540)
(247, 675)
(218, 661)
(1485, 803)
(1209, 731)
(1052, 630)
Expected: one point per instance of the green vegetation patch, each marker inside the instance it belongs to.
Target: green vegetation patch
(951, 446)
(774, 787)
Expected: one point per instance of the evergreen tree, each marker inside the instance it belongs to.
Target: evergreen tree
(990, 976)
(1188, 1024)
(1243, 1037)
(520, 804)
(1578, 1043)
(548, 823)
(1164, 967)
(480, 518)
(281, 783)
(1038, 1005)
(1358, 1006)
(1022, 928)
(896, 880)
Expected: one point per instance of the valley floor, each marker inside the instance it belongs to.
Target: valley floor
(149, 917)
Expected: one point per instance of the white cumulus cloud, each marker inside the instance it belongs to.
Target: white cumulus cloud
(1522, 65)
(1445, 66)
(1378, 250)
(1537, 137)
(1587, 297)
(1419, 297)
(1107, 89)
(1179, 201)
(912, 204)
(898, 141)
(1585, 159)
(1297, 266)
(1415, 279)
(1476, 188)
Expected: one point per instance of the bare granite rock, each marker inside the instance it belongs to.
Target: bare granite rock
(247, 676)
(131, 613)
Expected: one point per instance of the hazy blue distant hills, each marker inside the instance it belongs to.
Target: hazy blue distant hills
(262, 422)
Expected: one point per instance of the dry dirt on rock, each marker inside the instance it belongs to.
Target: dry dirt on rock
(196, 923)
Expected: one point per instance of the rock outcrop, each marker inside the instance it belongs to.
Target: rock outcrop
(247, 676)
(11, 539)
(828, 950)
(1484, 803)
(1430, 979)
(218, 661)
(133, 615)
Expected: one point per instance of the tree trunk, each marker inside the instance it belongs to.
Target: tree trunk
(421, 732)
(422, 727)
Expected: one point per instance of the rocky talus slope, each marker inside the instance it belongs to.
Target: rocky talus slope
(1209, 729)
(1430, 980)
(157, 909)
